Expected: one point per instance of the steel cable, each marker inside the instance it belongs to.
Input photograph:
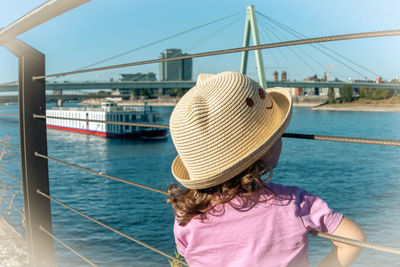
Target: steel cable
(11, 176)
(384, 142)
(101, 174)
(236, 50)
(276, 34)
(9, 114)
(320, 234)
(160, 40)
(289, 135)
(65, 245)
(9, 83)
(356, 243)
(299, 35)
(112, 229)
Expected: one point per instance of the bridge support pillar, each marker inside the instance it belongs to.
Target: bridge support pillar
(251, 27)
(33, 138)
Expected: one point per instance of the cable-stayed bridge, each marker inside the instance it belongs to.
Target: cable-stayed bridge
(189, 84)
(273, 32)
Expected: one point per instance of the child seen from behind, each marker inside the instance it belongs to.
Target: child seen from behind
(227, 132)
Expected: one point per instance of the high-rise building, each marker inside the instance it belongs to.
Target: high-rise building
(177, 70)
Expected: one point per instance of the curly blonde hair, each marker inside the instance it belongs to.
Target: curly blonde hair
(191, 202)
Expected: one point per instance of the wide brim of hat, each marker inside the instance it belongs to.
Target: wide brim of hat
(283, 100)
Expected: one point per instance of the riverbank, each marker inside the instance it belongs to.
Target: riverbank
(366, 108)
(386, 105)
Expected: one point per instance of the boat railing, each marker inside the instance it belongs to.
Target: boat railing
(33, 137)
(108, 109)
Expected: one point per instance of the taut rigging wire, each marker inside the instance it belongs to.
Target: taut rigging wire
(277, 33)
(356, 243)
(160, 40)
(8, 114)
(290, 48)
(101, 174)
(111, 228)
(65, 245)
(236, 50)
(315, 233)
(11, 176)
(290, 135)
(299, 35)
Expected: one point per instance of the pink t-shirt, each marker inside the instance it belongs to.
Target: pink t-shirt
(273, 232)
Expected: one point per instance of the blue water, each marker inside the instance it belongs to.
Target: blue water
(360, 181)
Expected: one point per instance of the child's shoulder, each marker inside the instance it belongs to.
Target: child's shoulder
(285, 188)
(294, 192)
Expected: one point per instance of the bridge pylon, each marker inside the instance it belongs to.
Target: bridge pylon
(251, 27)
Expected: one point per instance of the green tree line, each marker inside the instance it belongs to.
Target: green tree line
(347, 94)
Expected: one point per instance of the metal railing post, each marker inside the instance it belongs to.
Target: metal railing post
(33, 138)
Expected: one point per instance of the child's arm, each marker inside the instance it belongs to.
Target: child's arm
(343, 254)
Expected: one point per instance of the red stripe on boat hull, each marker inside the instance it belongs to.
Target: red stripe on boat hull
(77, 130)
(149, 134)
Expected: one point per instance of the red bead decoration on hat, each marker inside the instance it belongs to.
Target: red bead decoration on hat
(261, 93)
(249, 102)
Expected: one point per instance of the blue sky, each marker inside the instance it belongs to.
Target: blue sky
(101, 29)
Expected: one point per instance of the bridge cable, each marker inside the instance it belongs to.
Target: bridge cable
(356, 243)
(65, 245)
(344, 64)
(272, 54)
(299, 35)
(290, 48)
(112, 229)
(160, 40)
(265, 22)
(236, 50)
(373, 141)
(214, 33)
(101, 174)
(209, 36)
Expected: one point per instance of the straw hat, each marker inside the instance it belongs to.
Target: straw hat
(224, 124)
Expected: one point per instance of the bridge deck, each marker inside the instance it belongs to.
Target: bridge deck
(13, 249)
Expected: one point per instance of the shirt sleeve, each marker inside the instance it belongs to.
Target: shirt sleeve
(180, 240)
(316, 214)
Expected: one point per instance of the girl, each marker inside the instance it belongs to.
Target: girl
(227, 132)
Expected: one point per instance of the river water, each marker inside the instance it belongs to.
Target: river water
(360, 181)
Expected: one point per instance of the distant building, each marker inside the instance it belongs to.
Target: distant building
(177, 70)
(276, 76)
(132, 77)
(151, 76)
(298, 91)
(284, 76)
